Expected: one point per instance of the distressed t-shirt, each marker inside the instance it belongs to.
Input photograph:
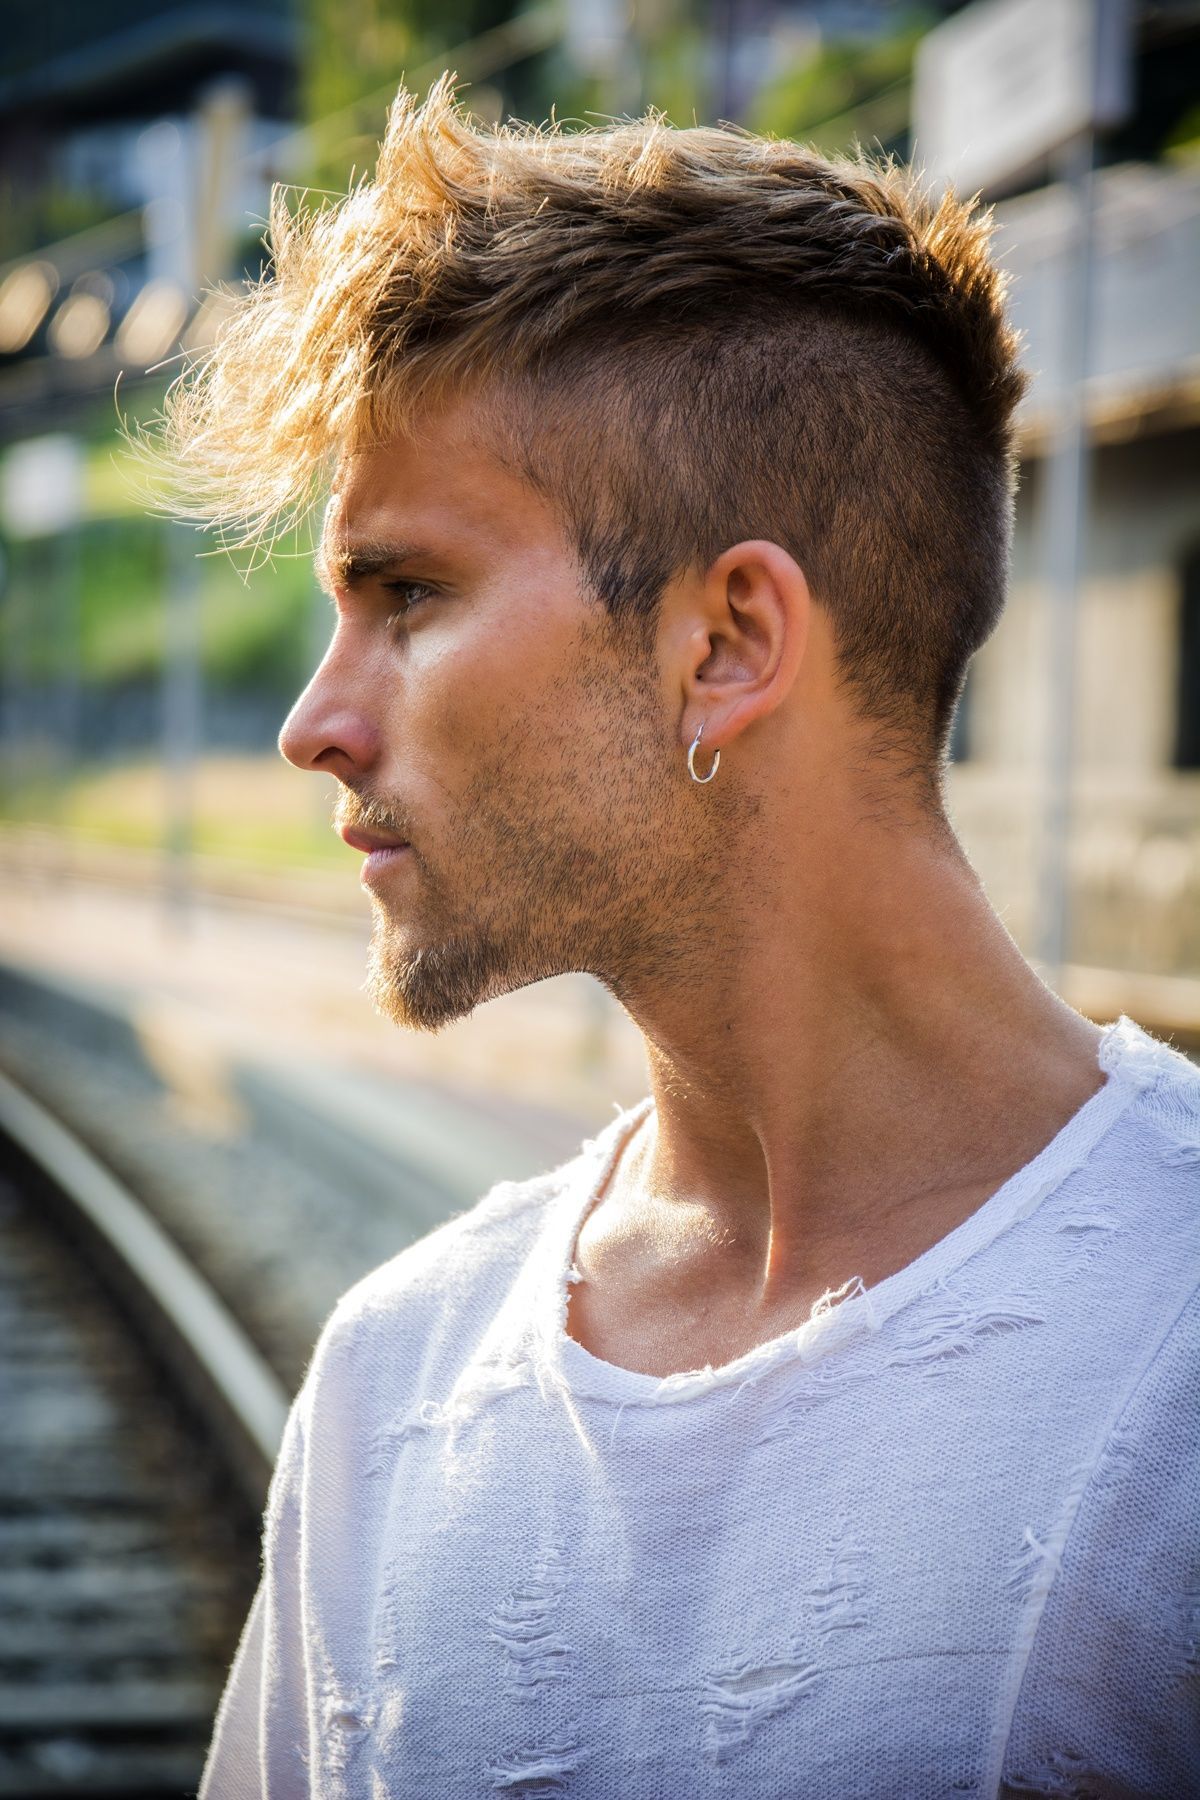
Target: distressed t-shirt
(942, 1540)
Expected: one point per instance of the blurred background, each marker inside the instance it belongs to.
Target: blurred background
(182, 937)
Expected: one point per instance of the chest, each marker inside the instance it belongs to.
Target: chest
(632, 1606)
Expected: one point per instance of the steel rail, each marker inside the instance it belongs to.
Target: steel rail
(237, 1394)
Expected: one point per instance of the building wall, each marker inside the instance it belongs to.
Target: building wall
(1134, 842)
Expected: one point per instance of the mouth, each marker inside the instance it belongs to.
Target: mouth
(381, 852)
(371, 841)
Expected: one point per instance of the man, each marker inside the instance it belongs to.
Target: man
(824, 1428)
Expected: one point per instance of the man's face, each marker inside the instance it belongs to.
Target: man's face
(476, 705)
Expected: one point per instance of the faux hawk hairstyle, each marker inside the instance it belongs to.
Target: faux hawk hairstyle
(691, 338)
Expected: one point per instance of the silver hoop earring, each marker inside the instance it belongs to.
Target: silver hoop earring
(702, 779)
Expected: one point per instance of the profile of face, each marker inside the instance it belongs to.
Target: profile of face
(476, 705)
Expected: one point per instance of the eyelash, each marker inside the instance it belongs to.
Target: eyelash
(414, 592)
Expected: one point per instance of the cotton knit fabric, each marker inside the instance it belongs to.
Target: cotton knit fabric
(941, 1540)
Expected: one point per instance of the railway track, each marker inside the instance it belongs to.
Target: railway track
(137, 1431)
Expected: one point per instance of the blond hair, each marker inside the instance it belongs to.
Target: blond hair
(700, 335)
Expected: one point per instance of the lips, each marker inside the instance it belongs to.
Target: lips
(371, 840)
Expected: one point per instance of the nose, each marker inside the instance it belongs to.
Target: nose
(330, 728)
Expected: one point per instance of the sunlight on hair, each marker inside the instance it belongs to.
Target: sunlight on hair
(476, 251)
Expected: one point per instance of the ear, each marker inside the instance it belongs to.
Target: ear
(741, 637)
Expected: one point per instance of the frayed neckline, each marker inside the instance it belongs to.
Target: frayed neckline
(1128, 1056)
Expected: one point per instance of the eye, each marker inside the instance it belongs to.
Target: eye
(409, 595)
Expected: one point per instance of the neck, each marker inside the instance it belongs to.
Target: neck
(851, 1038)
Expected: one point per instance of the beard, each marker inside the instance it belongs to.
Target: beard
(545, 903)
(426, 987)
(550, 875)
(429, 986)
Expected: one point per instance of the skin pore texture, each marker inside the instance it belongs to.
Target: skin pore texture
(847, 1050)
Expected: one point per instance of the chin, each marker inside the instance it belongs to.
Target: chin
(427, 987)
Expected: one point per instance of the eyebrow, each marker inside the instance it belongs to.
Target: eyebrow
(349, 565)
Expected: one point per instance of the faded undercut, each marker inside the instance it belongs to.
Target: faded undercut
(694, 336)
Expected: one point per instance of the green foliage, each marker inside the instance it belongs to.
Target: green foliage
(252, 810)
(1183, 145)
(677, 74)
(31, 216)
(120, 572)
(845, 91)
(256, 632)
(359, 51)
(354, 47)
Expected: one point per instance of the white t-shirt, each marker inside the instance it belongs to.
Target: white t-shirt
(942, 1540)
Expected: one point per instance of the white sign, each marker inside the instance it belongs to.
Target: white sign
(1003, 83)
(41, 486)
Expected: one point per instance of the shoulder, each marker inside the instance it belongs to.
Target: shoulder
(440, 1294)
(450, 1261)
(1162, 1123)
(1141, 1182)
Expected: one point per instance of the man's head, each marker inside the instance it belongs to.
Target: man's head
(479, 708)
(697, 400)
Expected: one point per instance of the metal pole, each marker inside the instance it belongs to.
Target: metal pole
(14, 675)
(201, 248)
(724, 27)
(182, 702)
(1064, 513)
(68, 574)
